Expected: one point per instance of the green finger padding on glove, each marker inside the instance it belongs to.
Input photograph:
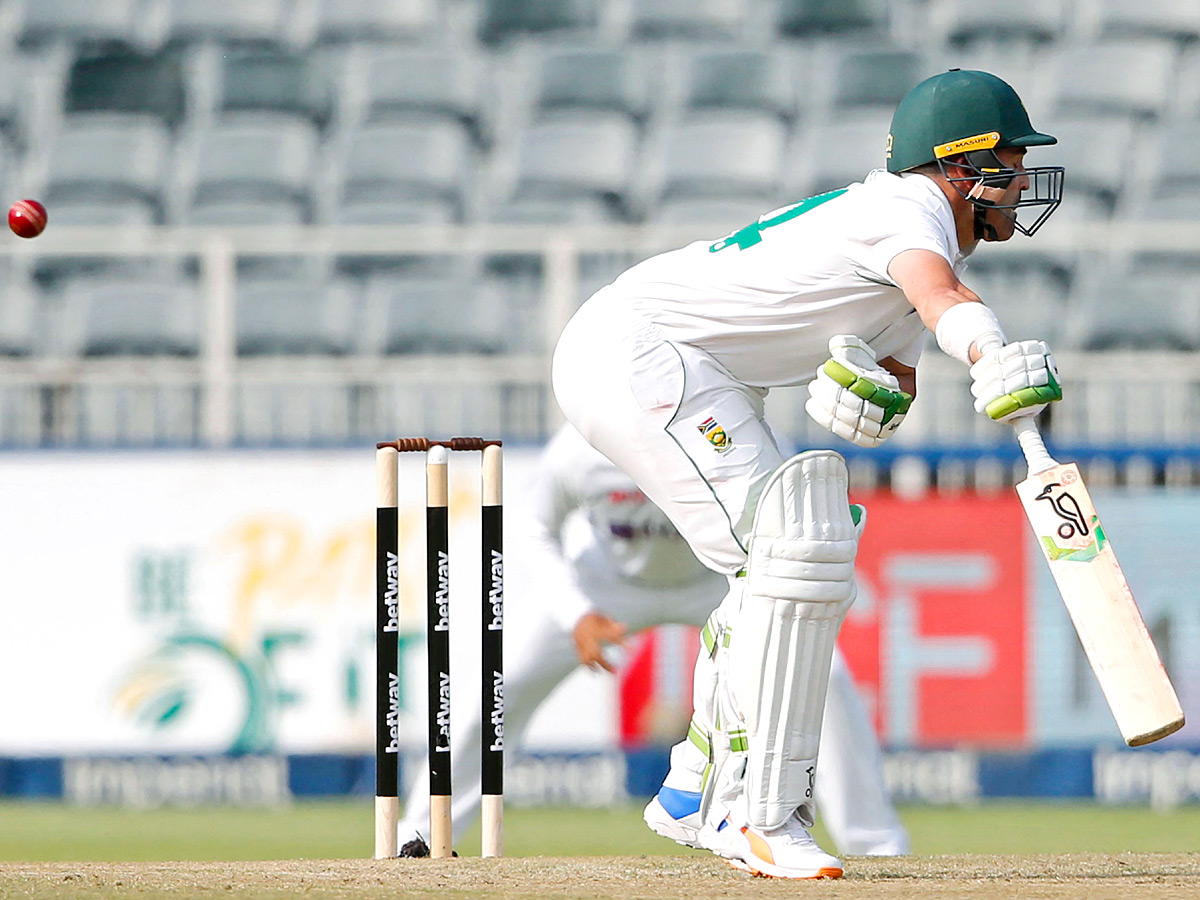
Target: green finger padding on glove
(893, 403)
(1025, 397)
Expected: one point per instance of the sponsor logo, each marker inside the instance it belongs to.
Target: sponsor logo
(715, 434)
(1067, 508)
(392, 593)
(393, 713)
(964, 145)
(496, 593)
(497, 717)
(442, 594)
(442, 744)
(1074, 524)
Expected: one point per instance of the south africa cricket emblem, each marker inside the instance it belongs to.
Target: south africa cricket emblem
(716, 435)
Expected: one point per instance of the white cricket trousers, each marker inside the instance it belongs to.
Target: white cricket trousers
(657, 409)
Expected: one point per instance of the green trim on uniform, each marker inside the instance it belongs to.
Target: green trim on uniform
(752, 233)
(699, 739)
(737, 741)
(709, 638)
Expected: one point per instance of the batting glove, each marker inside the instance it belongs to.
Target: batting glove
(1016, 380)
(854, 397)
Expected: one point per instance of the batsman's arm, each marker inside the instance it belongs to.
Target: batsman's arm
(932, 288)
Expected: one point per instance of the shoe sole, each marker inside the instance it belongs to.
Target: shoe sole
(763, 871)
(664, 825)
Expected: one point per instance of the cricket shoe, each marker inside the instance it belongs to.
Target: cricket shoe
(417, 849)
(414, 849)
(788, 851)
(675, 814)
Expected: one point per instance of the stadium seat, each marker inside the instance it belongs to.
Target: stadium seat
(1170, 18)
(966, 21)
(587, 77)
(738, 78)
(435, 315)
(374, 20)
(101, 157)
(77, 21)
(18, 308)
(388, 82)
(115, 213)
(1029, 299)
(874, 77)
(1097, 151)
(1131, 77)
(715, 19)
(436, 156)
(294, 317)
(503, 19)
(14, 98)
(1174, 165)
(124, 80)
(228, 22)
(1135, 311)
(141, 318)
(125, 220)
(248, 157)
(575, 162)
(235, 213)
(816, 18)
(525, 210)
(713, 217)
(723, 154)
(829, 155)
(275, 80)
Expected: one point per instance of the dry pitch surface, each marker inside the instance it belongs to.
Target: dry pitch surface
(1076, 876)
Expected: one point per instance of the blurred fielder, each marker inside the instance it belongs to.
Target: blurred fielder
(665, 370)
(606, 562)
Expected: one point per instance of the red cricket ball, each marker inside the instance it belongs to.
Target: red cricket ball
(27, 218)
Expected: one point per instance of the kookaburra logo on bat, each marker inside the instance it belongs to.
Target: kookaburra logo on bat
(1066, 508)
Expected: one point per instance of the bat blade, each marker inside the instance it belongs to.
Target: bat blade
(1101, 605)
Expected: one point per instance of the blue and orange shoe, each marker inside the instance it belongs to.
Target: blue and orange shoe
(788, 851)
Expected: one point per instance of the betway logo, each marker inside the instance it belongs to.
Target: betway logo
(442, 595)
(496, 594)
(442, 744)
(393, 713)
(497, 712)
(392, 593)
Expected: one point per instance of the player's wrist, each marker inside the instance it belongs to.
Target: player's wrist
(966, 325)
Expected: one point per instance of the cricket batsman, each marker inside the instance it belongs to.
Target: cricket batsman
(602, 561)
(664, 371)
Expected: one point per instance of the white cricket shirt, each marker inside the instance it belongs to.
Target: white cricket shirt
(765, 300)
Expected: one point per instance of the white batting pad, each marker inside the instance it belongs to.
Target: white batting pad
(799, 584)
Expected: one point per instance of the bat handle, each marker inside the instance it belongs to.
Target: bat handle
(1033, 446)
(1028, 436)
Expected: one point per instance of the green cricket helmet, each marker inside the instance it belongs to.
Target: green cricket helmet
(961, 117)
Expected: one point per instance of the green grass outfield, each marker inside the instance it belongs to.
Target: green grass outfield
(34, 832)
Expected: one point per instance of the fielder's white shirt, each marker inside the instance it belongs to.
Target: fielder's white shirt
(580, 501)
(765, 301)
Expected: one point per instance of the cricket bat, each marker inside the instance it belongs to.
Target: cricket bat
(1095, 592)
